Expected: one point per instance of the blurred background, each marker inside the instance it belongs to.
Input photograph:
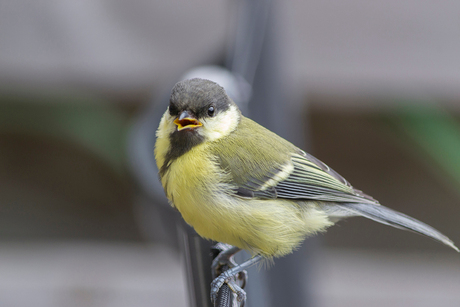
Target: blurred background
(376, 89)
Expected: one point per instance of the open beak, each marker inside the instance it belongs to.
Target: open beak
(186, 121)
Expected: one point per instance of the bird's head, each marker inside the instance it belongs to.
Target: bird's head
(200, 110)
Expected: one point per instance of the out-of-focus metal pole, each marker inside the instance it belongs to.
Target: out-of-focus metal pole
(198, 260)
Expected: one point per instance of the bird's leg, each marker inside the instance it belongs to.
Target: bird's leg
(225, 261)
(226, 277)
(224, 257)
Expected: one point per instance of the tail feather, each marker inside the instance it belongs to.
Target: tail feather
(393, 218)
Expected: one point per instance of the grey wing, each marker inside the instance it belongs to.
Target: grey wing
(303, 178)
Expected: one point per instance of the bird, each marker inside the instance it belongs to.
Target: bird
(236, 182)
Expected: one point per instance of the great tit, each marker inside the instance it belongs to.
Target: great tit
(236, 182)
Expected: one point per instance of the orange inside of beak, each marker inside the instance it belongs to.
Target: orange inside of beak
(187, 123)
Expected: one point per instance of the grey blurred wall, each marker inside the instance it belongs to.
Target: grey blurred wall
(353, 47)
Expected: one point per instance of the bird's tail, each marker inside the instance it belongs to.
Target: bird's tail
(389, 217)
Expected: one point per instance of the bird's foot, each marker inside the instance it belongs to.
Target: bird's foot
(224, 258)
(233, 280)
(226, 271)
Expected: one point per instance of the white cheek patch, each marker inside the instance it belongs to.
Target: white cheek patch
(166, 126)
(162, 144)
(221, 125)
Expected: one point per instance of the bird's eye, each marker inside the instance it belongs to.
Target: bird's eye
(211, 111)
(173, 110)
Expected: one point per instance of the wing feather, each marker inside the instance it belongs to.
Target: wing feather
(284, 171)
(307, 180)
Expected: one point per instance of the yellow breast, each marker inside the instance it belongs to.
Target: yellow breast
(197, 188)
(201, 192)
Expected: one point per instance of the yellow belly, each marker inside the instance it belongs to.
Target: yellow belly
(268, 227)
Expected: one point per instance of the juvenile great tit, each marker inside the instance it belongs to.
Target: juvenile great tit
(236, 182)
